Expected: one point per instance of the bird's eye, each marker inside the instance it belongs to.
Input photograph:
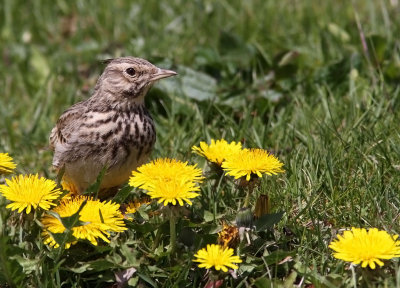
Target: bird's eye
(130, 71)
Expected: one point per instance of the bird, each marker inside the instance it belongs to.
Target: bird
(111, 131)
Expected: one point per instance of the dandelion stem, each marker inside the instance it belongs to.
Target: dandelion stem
(172, 231)
(215, 195)
(247, 199)
(354, 276)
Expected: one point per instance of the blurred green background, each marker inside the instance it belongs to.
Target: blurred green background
(235, 59)
(315, 82)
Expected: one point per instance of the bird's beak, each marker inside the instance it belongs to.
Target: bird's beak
(162, 73)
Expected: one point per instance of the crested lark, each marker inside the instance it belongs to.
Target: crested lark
(111, 129)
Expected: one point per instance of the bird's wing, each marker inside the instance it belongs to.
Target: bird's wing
(64, 129)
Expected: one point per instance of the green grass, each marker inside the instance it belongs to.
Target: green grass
(291, 77)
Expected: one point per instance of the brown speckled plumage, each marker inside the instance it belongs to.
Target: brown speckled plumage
(111, 129)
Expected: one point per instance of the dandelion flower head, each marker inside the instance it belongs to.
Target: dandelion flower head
(30, 191)
(69, 186)
(366, 247)
(218, 257)
(170, 180)
(164, 170)
(6, 164)
(133, 206)
(252, 162)
(174, 191)
(99, 218)
(218, 150)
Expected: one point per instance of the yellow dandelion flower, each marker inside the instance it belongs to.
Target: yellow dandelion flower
(6, 164)
(69, 186)
(27, 191)
(99, 219)
(162, 170)
(218, 150)
(133, 206)
(170, 180)
(218, 257)
(174, 191)
(365, 247)
(252, 162)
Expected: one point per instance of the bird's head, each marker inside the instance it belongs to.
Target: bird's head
(130, 77)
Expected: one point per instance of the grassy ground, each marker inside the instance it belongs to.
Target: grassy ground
(315, 82)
